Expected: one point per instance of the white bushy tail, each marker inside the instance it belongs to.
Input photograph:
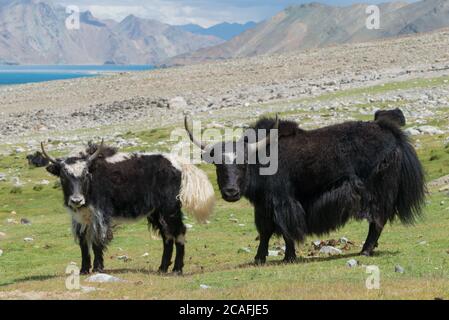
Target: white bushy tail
(197, 193)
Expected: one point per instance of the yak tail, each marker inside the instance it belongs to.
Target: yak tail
(196, 194)
(412, 189)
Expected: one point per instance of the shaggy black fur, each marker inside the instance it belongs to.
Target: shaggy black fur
(142, 186)
(359, 170)
(396, 116)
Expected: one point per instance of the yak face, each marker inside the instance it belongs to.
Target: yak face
(75, 181)
(231, 166)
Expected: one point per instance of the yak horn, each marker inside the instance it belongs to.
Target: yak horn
(254, 147)
(194, 140)
(96, 153)
(52, 160)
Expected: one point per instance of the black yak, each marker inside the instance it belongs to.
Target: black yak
(325, 177)
(101, 185)
(395, 115)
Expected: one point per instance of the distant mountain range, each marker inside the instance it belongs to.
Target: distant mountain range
(34, 32)
(225, 30)
(316, 25)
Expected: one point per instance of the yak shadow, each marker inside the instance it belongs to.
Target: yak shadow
(304, 260)
(29, 278)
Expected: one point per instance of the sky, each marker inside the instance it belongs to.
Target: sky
(202, 12)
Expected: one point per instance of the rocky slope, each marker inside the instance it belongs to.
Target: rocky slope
(317, 25)
(34, 32)
(244, 88)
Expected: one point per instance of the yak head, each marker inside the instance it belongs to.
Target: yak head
(74, 175)
(232, 158)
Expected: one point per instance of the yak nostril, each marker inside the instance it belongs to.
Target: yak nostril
(77, 201)
(231, 192)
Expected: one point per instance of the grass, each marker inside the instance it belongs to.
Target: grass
(37, 269)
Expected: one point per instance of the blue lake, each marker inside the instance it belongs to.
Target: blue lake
(27, 74)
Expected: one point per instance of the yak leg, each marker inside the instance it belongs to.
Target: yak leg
(374, 233)
(290, 252)
(265, 226)
(179, 243)
(180, 251)
(85, 254)
(167, 254)
(98, 260)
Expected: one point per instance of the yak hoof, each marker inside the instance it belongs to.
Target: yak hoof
(367, 253)
(98, 270)
(84, 271)
(289, 260)
(177, 272)
(162, 270)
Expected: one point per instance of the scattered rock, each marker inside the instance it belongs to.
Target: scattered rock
(103, 278)
(124, 258)
(177, 103)
(2, 235)
(25, 221)
(88, 289)
(352, 263)
(29, 239)
(204, 286)
(330, 250)
(11, 221)
(2, 177)
(189, 226)
(399, 269)
(274, 253)
(244, 250)
(146, 254)
(1, 252)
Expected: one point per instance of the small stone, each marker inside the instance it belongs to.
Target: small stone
(123, 258)
(352, 263)
(1, 252)
(422, 243)
(204, 286)
(25, 221)
(330, 250)
(29, 239)
(399, 269)
(88, 289)
(273, 253)
(343, 240)
(146, 254)
(234, 220)
(103, 278)
(11, 221)
(244, 250)
(189, 226)
(13, 213)
(2, 235)
(317, 244)
(241, 224)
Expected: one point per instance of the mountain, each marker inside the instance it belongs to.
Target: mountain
(225, 30)
(34, 32)
(316, 25)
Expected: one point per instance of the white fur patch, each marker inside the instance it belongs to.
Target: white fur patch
(118, 157)
(230, 157)
(76, 169)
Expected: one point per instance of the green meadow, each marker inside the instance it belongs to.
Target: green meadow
(219, 254)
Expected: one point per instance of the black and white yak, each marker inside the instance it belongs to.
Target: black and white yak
(325, 177)
(101, 185)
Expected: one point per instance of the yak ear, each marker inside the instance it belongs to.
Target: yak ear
(54, 169)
